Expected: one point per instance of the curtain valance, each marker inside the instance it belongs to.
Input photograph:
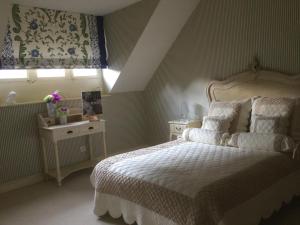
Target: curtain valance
(45, 38)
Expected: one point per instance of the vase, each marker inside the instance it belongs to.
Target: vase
(51, 108)
(63, 120)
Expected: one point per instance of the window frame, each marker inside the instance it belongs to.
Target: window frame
(97, 76)
(49, 78)
(12, 80)
(32, 76)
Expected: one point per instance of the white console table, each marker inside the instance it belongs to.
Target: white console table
(55, 133)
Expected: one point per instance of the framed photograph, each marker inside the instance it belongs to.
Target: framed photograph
(91, 103)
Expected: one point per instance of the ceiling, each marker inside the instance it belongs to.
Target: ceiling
(95, 7)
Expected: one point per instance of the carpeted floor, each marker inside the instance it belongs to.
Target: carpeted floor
(46, 204)
(72, 204)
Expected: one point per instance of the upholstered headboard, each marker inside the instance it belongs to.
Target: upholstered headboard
(250, 83)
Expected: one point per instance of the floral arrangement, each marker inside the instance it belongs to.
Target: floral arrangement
(54, 98)
(62, 111)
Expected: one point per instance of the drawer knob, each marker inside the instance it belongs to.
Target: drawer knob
(70, 132)
(178, 128)
(91, 128)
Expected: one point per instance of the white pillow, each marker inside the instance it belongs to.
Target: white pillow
(239, 111)
(216, 123)
(257, 141)
(204, 136)
(228, 110)
(274, 107)
(295, 121)
(262, 124)
(243, 122)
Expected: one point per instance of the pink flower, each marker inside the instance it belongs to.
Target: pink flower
(56, 97)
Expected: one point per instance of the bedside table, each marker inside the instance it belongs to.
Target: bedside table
(178, 126)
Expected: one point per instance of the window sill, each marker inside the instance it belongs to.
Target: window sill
(39, 102)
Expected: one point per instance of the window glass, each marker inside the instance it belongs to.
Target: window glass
(85, 72)
(45, 73)
(13, 74)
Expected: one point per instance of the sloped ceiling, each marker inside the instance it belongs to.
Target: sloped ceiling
(160, 33)
(95, 7)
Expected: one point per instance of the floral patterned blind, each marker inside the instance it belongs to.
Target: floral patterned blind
(44, 38)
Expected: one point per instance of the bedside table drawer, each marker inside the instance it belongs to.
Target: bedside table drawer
(178, 128)
(65, 133)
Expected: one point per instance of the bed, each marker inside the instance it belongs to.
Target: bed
(191, 183)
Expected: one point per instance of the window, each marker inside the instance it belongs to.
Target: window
(85, 72)
(13, 74)
(110, 77)
(33, 85)
(47, 73)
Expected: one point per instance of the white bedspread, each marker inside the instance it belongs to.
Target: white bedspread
(188, 167)
(188, 183)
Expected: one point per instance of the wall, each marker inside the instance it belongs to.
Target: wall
(221, 39)
(21, 150)
(123, 29)
(125, 112)
(165, 24)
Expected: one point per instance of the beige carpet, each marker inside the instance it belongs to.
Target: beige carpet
(46, 204)
(72, 204)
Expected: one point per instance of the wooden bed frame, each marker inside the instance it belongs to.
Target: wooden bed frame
(254, 83)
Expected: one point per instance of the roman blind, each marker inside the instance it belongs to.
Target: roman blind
(46, 38)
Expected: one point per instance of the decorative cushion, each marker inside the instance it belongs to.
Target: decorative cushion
(216, 123)
(295, 121)
(256, 141)
(244, 116)
(273, 107)
(228, 110)
(264, 124)
(204, 136)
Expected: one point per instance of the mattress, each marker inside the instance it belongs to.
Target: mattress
(189, 183)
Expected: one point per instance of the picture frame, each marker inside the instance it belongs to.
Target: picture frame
(91, 104)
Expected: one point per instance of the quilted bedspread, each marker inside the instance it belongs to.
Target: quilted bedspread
(188, 182)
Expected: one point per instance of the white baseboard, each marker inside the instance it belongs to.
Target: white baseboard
(22, 182)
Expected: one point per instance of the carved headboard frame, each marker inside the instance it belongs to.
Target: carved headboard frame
(254, 83)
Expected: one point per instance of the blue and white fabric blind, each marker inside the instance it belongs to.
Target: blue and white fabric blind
(45, 38)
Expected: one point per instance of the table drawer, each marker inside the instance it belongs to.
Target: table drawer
(177, 128)
(90, 128)
(65, 133)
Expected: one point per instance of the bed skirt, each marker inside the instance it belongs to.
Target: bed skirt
(248, 213)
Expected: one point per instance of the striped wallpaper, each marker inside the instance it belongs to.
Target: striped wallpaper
(221, 38)
(123, 29)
